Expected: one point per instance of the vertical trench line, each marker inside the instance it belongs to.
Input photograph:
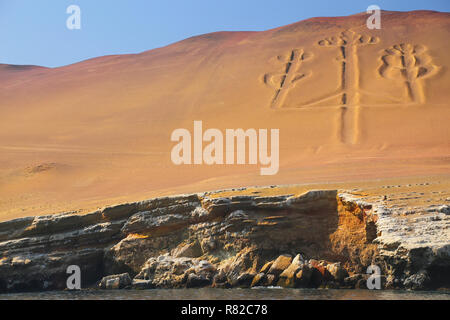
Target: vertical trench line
(418, 83)
(356, 98)
(352, 91)
(343, 68)
(351, 74)
(341, 121)
(408, 79)
(291, 61)
(356, 74)
(344, 99)
(291, 67)
(348, 70)
(409, 91)
(341, 124)
(356, 124)
(415, 87)
(274, 100)
(283, 81)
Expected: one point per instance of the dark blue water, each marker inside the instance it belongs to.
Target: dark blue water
(230, 294)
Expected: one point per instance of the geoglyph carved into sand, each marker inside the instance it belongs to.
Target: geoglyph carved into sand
(286, 80)
(404, 62)
(410, 64)
(347, 43)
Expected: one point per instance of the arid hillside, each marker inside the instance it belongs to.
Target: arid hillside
(351, 104)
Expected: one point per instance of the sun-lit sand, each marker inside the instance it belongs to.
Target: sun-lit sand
(353, 106)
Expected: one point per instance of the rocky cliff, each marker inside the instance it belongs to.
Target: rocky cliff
(321, 238)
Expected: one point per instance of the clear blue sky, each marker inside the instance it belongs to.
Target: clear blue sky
(34, 31)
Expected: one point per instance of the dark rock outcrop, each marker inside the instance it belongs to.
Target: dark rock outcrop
(317, 239)
(115, 281)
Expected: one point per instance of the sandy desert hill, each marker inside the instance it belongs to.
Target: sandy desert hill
(352, 104)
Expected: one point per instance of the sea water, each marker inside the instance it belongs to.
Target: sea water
(231, 294)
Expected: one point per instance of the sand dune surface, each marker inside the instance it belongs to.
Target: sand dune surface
(351, 104)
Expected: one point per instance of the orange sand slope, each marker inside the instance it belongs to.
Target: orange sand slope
(351, 104)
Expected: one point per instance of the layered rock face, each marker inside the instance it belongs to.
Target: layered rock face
(322, 238)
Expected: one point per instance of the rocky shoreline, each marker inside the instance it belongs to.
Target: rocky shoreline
(319, 239)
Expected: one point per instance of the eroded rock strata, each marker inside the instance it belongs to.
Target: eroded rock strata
(322, 238)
